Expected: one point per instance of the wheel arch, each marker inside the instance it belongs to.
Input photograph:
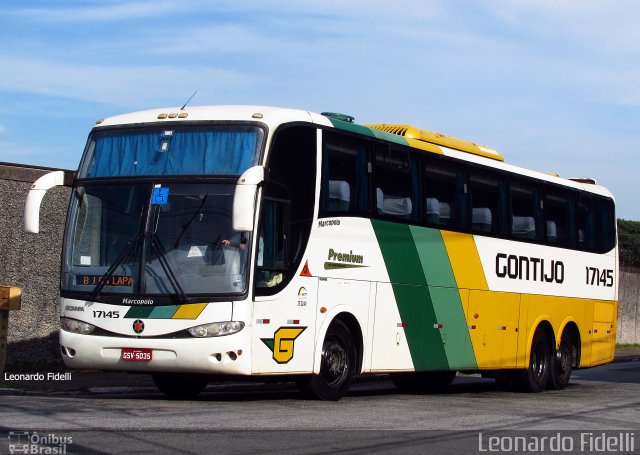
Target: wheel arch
(349, 320)
(570, 327)
(543, 323)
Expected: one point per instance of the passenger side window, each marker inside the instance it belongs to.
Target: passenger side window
(345, 175)
(394, 184)
(556, 217)
(444, 190)
(604, 223)
(585, 223)
(525, 211)
(487, 208)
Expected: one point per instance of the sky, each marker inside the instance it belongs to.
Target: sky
(553, 85)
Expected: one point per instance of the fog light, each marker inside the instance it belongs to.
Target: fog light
(75, 326)
(216, 329)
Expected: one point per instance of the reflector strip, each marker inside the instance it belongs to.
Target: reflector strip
(472, 327)
(402, 324)
(437, 326)
(305, 270)
(263, 321)
(502, 327)
(293, 321)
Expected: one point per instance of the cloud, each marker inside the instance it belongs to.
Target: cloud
(114, 85)
(124, 10)
(99, 12)
(29, 153)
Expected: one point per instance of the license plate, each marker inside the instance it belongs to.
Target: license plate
(136, 355)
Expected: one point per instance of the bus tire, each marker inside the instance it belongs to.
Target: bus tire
(337, 366)
(561, 364)
(424, 381)
(536, 377)
(180, 386)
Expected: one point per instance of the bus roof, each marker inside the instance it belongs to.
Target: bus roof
(414, 137)
(271, 116)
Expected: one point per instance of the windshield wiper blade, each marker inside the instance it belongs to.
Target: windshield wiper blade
(133, 241)
(156, 246)
(190, 222)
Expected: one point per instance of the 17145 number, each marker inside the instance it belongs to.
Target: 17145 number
(599, 277)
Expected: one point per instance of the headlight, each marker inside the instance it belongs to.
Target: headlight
(216, 329)
(75, 326)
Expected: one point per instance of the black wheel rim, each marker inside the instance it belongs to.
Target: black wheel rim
(539, 363)
(563, 359)
(335, 362)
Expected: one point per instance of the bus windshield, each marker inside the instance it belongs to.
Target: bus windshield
(180, 150)
(154, 240)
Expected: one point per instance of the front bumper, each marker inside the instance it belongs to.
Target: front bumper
(226, 355)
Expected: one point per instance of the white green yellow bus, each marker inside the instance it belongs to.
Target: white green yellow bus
(250, 241)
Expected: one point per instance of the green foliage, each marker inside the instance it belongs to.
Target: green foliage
(629, 243)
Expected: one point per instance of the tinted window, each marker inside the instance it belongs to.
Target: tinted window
(487, 208)
(556, 216)
(395, 184)
(345, 175)
(444, 190)
(525, 210)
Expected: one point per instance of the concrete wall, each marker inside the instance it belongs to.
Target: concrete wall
(629, 306)
(32, 262)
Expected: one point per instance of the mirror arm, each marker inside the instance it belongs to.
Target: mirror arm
(36, 194)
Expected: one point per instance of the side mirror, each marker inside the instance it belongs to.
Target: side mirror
(244, 200)
(34, 199)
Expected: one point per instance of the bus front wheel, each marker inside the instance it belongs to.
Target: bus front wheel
(535, 378)
(181, 386)
(337, 365)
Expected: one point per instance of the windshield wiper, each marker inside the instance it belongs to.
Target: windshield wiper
(190, 222)
(126, 253)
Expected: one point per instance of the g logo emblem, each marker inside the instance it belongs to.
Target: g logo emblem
(282, 343)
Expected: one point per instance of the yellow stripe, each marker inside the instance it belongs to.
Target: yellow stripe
(191, 311)
(465, 260)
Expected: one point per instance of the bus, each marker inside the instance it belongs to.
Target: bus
(251, 241)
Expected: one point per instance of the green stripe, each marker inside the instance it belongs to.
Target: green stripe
(139, 312)
(390, 137)
(164, 312)
(414, 302)
(352, 127)
(444, 294)
(366, 131)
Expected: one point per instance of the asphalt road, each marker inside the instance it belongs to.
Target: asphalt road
(473, 414)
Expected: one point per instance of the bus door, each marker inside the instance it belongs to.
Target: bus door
(284, 309)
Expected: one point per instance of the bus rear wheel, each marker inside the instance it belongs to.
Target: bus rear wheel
(337, 366)
(561, 364)
(536, 377)
(181, 386)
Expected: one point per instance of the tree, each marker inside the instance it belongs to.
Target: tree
(629, 243)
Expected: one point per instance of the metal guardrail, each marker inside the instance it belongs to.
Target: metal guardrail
(10, 300)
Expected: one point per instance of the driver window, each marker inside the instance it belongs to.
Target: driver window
(272, 247)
